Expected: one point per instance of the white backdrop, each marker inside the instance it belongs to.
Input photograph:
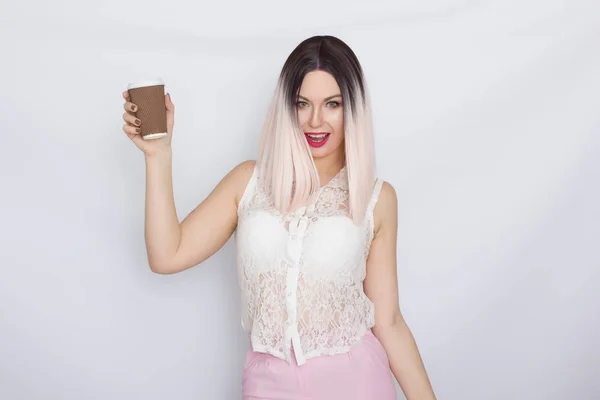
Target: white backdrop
(487, 124)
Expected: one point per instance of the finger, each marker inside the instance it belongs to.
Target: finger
(126, 94)
(131, 119)
(131, 131)
(168, 103)
(129, 106)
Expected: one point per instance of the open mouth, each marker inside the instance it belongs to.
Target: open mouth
(316, 139)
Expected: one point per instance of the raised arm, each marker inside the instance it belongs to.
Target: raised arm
(172, 246)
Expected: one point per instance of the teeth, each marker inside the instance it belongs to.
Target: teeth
(317, 137)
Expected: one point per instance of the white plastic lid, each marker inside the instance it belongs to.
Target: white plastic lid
(153, 82)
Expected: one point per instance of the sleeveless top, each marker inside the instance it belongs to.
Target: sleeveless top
(301, 273)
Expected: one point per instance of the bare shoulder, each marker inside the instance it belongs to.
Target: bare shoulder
(386, 209)
(232, 186)
(240, 176)
(244, 169)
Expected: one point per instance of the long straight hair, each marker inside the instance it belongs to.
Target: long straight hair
(287, 171)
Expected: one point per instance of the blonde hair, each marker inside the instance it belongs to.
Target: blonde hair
(286, 168)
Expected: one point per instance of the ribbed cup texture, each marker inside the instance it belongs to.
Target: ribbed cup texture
(151, 108)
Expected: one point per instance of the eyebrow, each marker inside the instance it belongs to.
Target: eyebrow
(326, 99)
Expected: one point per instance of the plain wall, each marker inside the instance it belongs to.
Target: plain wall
(487, 124)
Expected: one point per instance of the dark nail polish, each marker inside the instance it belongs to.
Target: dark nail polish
(138, 122)
(133, 108)
(138, 130)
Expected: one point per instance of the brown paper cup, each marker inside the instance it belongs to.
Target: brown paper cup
(149, 96)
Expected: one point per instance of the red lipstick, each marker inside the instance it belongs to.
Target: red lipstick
(317, 139)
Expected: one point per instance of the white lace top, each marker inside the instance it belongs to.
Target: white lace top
(301, 274)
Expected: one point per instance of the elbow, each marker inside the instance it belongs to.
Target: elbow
(168, 267)
(157, 269)
(391, 321)
(161, 268)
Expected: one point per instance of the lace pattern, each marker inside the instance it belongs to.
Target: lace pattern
(301, 273)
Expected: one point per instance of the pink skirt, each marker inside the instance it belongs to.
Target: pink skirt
(363, 373)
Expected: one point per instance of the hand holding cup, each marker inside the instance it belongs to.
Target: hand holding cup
(149, 116)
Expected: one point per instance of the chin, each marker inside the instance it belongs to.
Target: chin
(318, 153)
(325, 150)
(321, 151)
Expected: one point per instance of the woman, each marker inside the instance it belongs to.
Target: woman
(315, 233)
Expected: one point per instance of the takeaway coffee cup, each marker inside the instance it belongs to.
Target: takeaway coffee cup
(149, 96)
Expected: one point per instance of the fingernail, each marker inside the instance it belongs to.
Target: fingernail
(138, 130)
(133, 108)
(137, 122)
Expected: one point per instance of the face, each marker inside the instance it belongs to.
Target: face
(321, 113)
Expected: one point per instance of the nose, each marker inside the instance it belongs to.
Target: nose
(316, 118)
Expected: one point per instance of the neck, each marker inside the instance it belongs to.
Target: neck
(329, 166)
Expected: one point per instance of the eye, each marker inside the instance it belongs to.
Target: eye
(301, 104)
(333, 104)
